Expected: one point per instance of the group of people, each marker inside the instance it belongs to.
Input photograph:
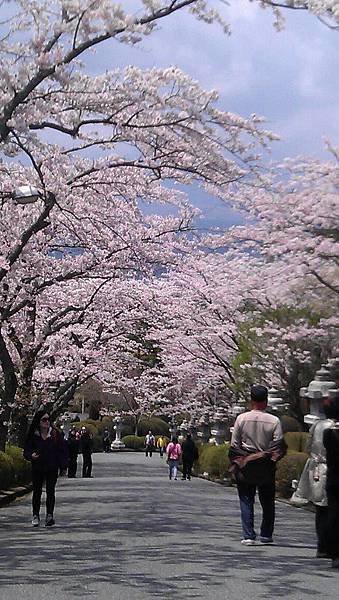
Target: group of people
(51, 455)
(257, 445)
(187, 451)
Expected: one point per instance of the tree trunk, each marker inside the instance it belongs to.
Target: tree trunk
(7, 393)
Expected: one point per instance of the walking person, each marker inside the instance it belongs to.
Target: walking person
(257, 444)
(173, 452)
(149, 443)
(73, 443)
(86, 449)
(189, 455)
(106, 441)
(47, 452)
(331, 443)
(161, 445)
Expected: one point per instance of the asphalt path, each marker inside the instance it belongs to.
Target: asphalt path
(131, 534)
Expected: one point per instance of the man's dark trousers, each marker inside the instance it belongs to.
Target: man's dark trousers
(187, 465)
(266, 495)
(87, 465)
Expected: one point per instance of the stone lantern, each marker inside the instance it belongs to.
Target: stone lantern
(204, 429)
(315, 392)
(274, 401)
(219, 427)
(233, 412)
(117, 444)
(173, 428)
(193, 429)
(183, 428)
(333, 367)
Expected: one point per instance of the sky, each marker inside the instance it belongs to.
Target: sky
(289, 77)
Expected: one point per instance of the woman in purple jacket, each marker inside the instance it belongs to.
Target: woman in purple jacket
(48, 453)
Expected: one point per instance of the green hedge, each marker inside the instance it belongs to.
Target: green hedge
(155, 424)
(297, 441)
(289, 423)
(290, 467)
(134, 441)
(213, 460)
(14, 469)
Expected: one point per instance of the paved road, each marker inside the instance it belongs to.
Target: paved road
(130, 533)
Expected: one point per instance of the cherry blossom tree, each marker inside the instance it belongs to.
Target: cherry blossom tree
(327, 11)
(96, 146)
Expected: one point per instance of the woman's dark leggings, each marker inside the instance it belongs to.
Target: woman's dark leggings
(38, 478)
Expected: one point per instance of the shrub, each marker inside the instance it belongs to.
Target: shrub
(213, 460)
(22, 467)
(155, 424)
(134, 441)
(289, 423)
(297, 441)
(290, 467)
(6, 471)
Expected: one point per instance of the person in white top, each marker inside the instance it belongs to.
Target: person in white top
(257, 444)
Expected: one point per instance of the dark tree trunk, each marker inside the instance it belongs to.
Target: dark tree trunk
(7, 392)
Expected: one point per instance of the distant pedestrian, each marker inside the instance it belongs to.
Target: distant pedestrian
(45, 448)
(173, 452)
(106, 441)
(161, 443)
(189, 455)
(73, 442)
(86, 442)
(257, 444)
(149, 443)
(331, 443)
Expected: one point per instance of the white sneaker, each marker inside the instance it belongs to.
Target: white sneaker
(248, 542)
(35, 521)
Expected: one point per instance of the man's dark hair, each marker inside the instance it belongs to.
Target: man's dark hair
(188, 436)
(259, 393)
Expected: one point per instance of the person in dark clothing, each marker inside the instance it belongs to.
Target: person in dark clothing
(331, 443)
(46, 450)
(73, 443)
(106, 441)
(86, 449)
(189, 455)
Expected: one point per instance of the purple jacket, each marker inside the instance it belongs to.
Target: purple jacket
(53, 451)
